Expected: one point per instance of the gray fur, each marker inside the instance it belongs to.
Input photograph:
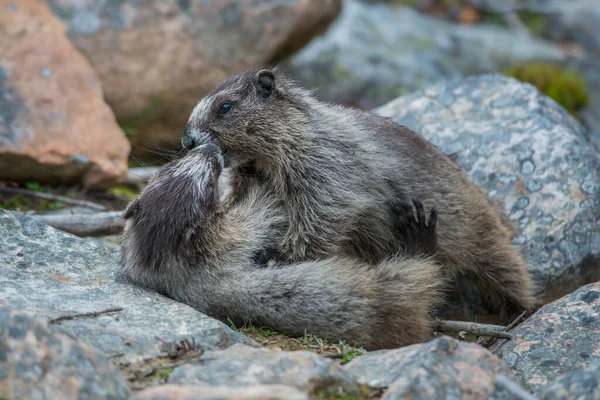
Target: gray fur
(186, 244)
(335, 170)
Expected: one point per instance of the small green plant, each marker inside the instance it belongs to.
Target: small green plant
(564, 86)
(268, 332)
(35, 186)
(164, 373)
(349, 353)
(232, 325)
(123, 191)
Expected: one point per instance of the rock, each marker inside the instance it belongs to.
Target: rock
(441, 368)
(576, 20)
(54, 123)
(583, 384)
(157, 58)
(208, 392)
(561, 337)
(37, 362)
(532, 158)
(48, 273)
(242, 366)
(376, 52)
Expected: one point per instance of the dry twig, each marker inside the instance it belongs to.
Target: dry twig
(496, 331)
(516, 391)
(84, 315)
(140, 176)
(52, 197)
(98, 224)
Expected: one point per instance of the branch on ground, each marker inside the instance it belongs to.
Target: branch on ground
(98, 224)
(140, 176)
(495, 331)
(52, 197)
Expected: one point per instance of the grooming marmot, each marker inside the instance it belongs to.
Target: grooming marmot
(180, 241)
(335, 170)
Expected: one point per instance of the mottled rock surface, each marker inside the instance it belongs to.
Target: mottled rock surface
(157, 58)
(54, 123)
(574, 20)
(38, 362)
(442, 368)
(561, 337)
(531, 157)
(241, 365)
(582, 385)
(209, 392)
(375, 52)
(48, 273)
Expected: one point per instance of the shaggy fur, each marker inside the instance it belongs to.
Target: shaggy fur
(335, 169)
(181, 241)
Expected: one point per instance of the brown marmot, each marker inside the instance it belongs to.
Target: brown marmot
(182, 242)
(335, 169)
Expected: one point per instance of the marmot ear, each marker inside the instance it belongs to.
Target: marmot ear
(132, 209)
(265, 83)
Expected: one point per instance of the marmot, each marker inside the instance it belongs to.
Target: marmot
(335, 169)
(180, 241)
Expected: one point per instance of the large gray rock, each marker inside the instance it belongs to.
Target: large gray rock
(442, 368)
(375, 52)
(582, 385)
(37, 362)
(48, 273)
(241, 366)
(561, 337)
(534, 161)
(573, 20)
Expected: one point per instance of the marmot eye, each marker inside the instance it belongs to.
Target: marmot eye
(225, 107)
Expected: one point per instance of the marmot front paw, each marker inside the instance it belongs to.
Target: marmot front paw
(418, 236)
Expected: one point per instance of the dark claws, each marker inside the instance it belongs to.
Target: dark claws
(417, 235)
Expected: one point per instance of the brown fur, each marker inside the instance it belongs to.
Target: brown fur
(180, 240)
(336, 168)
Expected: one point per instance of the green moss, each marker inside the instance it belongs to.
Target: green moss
(123, 191)
(564, 86)
(163, 374)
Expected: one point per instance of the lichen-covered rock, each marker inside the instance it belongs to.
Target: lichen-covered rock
(441, 368)
(157, 58)
(210, 392)
(532, 158)
(54, 123)
(241, 365)
(561, 337)
(48, 273)
(583, 385)
(375, 52)
(37, 362)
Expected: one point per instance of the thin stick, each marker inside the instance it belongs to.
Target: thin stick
(140, 176)
(517, 320)
(53, 197)
(98, 224)
(516, 391)
(496, 331)
(84, 315)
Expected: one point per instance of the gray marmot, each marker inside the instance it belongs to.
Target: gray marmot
(335, 170)
(181, 241)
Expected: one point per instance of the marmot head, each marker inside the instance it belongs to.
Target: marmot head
(249, 116)
(177, 203)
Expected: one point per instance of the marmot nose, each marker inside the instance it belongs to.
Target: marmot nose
(188, 142)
